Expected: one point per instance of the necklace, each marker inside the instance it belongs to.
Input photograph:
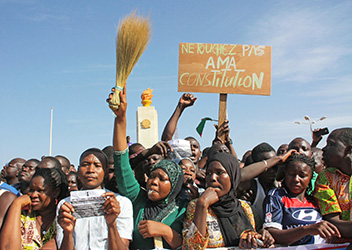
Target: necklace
(41, 224)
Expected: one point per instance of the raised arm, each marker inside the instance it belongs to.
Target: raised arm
(119, 137)
(255, 169)
(225, 129)
(126, 182)
(185, 101)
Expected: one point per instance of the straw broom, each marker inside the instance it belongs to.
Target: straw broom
(133, 36)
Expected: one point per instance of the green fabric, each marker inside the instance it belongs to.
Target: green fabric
(129, 187)
(333, 193)
(201, 125)
(171, 172)
(312, 183)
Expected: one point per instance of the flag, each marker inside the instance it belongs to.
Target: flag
(201, 125)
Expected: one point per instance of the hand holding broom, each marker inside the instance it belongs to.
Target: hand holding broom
(133, 36)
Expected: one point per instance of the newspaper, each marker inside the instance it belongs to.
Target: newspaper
(181, 149)
(87, 203)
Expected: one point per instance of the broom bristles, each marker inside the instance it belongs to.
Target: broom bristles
(133, 36)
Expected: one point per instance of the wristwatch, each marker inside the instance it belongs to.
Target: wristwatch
(229, 142)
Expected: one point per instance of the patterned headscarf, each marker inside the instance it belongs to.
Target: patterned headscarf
(158, 210)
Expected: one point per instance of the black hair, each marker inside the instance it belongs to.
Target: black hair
(65, 160)
(259, 149)
(131, 148)
(53, 178)
(57, 164)
(305, 159)
(249, 160)
(34, 160)
(109, 152)
(192, 138)
(57, 167)
(345, 135)
(205, 152)
(97, 153)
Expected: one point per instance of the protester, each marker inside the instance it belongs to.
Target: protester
(282, 149)
(333, 188)
(12, 169)
(301, 146)
(72, 181)
(218, 218)
(30, 223)
(25, 175)
(65, 163)
(189, 190)
(318, 159)
(157, 210)
(290, 213)
(111, 231)
(110, 180)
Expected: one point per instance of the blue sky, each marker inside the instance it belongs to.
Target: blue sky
(61, 54)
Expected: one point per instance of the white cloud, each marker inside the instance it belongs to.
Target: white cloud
(47, 17)
(306, 43)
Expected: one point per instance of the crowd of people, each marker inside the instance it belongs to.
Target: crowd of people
(154, 197)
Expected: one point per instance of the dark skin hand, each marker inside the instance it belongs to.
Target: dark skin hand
(250, 239)
(316, 139)
(186, 100)
(111, 207)
(192, 190)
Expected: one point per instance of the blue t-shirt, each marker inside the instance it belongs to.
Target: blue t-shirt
(282, 211)
(7, 187)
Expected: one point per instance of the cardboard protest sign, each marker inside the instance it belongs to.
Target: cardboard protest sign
(224, 68)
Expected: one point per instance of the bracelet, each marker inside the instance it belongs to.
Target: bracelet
(229, 142)
(266, 165)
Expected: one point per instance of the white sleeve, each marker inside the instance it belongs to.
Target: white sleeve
(59, 230)
(124, 222)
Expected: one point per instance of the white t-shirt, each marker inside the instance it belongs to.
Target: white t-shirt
(92, 232)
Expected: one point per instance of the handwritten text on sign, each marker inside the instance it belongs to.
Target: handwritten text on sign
(224, 68)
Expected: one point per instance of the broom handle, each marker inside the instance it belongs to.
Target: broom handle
(158, 242)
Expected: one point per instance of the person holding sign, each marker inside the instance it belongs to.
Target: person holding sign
(218, 218)
(111, 228)
(158, 213)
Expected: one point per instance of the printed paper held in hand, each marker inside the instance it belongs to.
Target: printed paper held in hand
(181, 149)
(87, 203)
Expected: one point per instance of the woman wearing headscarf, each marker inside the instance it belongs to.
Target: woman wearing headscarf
(218, 218)
(113, 230)
(157, 211)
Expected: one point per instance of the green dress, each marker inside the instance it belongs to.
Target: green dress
(129, 187)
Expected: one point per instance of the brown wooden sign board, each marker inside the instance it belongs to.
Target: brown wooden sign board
(224, 68)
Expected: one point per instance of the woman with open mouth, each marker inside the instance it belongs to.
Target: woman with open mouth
(157, 211)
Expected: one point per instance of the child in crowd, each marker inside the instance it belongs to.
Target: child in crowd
(290, 214)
